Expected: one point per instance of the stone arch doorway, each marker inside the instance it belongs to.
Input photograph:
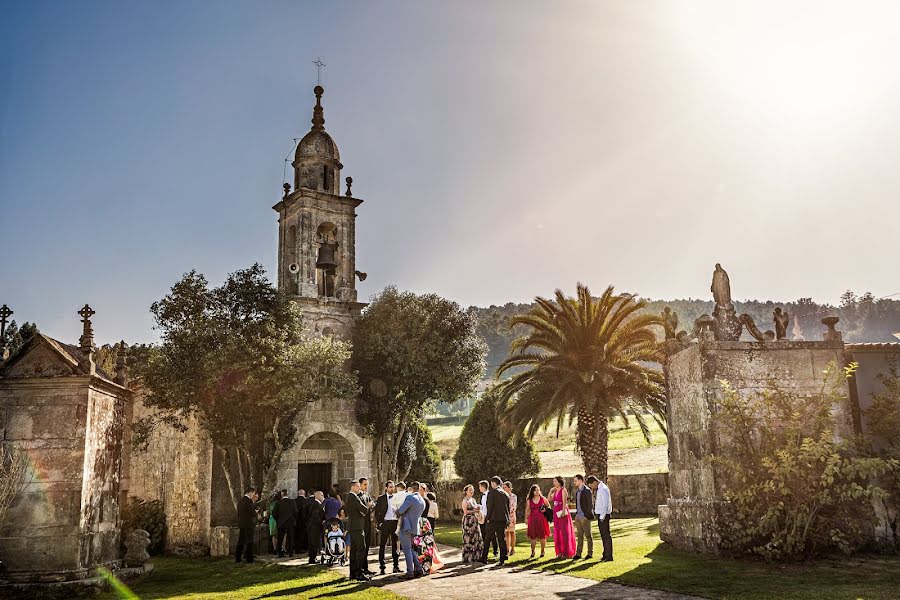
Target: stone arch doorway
(324, 459)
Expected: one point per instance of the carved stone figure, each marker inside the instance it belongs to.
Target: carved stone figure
(721, 287)
(670, 322)
(136, 543)
(781, 323)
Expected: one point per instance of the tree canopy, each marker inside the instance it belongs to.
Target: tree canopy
(410, 351)
(235, 357)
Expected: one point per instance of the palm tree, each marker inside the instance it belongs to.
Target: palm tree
(587, 360)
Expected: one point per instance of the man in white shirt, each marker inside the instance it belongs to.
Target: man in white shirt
(386, 519)
(483, 487)
(603, 509)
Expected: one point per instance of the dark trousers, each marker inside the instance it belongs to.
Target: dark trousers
(300, 543)
(496, 533)
(487, 542)
(244, 545)
(388, 531)
(605, 536)
(357, 553)
(288, 533)
(314, 538)
(433, 522)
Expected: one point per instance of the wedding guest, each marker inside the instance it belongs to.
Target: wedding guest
(333, 504)
(357, 512)
(246, 525)
(285, 514)
(496, 519)
(409, 514)
(473, 542)
(367, 530)
(538, 527)
(386, 520)
(300, 543)
(315, 519)
(483, 487)
(511, 528)
(563, 534)
(424, 547)
(273, 524)
(603, 509)
(584, 516)
(432, 514)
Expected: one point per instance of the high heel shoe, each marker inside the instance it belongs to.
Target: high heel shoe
(532, 555)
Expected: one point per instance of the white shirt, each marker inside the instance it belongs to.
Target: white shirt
(433, 509)
(484, 503)
(391, 514)
(603, 504)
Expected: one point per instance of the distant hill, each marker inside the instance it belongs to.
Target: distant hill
(863, 319)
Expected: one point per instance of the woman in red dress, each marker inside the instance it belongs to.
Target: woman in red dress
(538, 528)
(563, 532)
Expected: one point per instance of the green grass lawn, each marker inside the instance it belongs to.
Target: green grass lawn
(222, 579)
(641, 559)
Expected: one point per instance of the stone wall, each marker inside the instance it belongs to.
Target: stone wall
(690, 519)
(631, 494)
(176, 469)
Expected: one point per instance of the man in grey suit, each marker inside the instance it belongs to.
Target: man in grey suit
(409, 513)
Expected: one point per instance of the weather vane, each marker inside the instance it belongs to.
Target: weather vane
(319, 64)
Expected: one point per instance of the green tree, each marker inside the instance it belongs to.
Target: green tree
(484, 451)
(587, 360)
(411, 351)
(235, 357)
(15, 336)
(882, 440)
(425, 464)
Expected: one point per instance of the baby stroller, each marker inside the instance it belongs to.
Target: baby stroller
(335, 544)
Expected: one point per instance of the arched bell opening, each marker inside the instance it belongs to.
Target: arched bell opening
(326, 259)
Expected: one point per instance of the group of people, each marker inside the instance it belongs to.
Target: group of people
(492, 521)
(403, 516)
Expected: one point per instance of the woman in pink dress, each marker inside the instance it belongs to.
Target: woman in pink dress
(563, 532)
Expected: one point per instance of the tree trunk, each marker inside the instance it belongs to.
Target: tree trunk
(398, 440)
(592, 438)
(271, 475)
(235, 496)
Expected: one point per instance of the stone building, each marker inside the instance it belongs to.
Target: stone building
(69, 417)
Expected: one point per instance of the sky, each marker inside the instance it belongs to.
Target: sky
(503, 148)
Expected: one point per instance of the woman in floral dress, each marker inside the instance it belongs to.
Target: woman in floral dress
(425, 549)
(473, 543)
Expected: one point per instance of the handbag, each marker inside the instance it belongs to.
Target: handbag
(561, 513)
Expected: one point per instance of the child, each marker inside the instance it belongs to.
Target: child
(342, 515)
(335, 540)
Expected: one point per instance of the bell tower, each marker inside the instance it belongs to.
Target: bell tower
(317, 234)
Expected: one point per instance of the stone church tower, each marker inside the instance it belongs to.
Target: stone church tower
(317, 234)
(317, 266)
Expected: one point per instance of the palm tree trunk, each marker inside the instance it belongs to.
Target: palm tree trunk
(593, 442)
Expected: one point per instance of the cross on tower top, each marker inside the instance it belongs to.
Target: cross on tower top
(86, 313)
(319, 64)
(5, 313)
(87, 336)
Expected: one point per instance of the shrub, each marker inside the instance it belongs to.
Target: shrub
(883, 440)
(794, 488)
(149, 516)
(483, 453)
(427, 464)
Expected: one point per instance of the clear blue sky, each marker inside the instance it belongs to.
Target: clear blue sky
(503, 148)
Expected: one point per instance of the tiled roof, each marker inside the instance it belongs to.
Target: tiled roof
(874, 346)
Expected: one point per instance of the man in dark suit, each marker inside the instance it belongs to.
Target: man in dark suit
(300, 543)
(356, 515)
(315, 517)
(496, 519)
(246, 510)
(285, 513)
(584, 515)
(367, 501)
(386, 521)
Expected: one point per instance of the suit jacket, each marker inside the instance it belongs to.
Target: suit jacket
(587, 502)
(246, 512)
(285, 512)
(410, 512)
(356, 512)
(300, 503)
(315, 515)
(497, 506)
(381, 506)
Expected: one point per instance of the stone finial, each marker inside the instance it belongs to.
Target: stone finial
(5, 314)
(122, 364)
(86, 343)
(349, 181)
(832, 335)
(318, 119)
(287, 189)
(136, 543)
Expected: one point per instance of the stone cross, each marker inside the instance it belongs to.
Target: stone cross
(319, 64)
(87, 336)
(5, 313)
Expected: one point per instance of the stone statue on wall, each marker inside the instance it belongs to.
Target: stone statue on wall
(670, 322)
(721, 287)
(781, 323)
(136, 543)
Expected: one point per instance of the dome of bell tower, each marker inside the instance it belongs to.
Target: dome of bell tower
(317, 162)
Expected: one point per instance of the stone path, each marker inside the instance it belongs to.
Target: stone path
(458, 580)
